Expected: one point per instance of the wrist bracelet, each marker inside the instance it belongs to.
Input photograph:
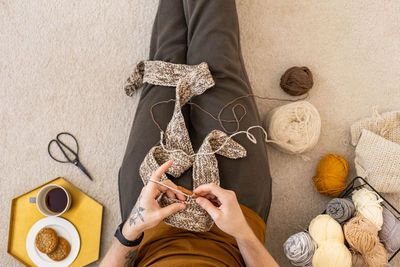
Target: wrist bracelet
(127, 243)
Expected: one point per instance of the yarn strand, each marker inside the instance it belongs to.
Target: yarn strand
(246, 96)
(236, 120)
(221, 121)
(250, 136)
(295, 129)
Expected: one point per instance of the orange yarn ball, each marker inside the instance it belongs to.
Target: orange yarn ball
(330, 179)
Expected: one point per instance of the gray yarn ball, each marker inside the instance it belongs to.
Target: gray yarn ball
(299, 249)
(340, 209)
(390, 233)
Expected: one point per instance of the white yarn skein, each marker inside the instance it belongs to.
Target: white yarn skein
(367, 204)
(295, 128)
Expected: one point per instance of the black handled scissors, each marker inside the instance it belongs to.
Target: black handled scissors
(74, 160)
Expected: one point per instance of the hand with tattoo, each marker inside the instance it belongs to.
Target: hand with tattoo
(147, 213)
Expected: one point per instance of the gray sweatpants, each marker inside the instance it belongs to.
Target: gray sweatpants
(191, 32)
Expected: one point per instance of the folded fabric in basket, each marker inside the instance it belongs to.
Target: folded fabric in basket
(378, 160)
(386, 125)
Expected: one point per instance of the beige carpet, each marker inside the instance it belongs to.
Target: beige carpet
(63, 63)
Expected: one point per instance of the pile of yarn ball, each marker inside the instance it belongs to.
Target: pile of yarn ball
(331, 174)
(324, 245)
(367, 204)
(371, 225)
(340, 209)
(328, 235)
(297, 81)
(390, 232)
(294, 128)
(299, 249)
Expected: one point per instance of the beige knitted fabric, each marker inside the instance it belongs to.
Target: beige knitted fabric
(386, 125)
(189, 81)
(378, 160)
(205, 170)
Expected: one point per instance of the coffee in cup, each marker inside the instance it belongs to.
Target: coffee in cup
(52, 200)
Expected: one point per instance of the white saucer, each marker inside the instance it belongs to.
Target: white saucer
(64, 229)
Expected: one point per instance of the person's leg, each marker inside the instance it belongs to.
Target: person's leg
(168, 43)
(213, 37)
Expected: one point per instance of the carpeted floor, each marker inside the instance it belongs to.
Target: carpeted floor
(63, 64)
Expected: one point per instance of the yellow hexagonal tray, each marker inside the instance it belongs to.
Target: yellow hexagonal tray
(85, 214)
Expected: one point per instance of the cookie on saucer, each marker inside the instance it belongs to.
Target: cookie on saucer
(46, 240)
(62, 250)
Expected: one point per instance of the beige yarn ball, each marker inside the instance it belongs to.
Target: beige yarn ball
(324, 228)
(294, 128)
(357, 260)
(361, 234)
(332, 254)
(378, 257)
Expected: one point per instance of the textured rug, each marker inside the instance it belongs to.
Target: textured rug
(63, 64)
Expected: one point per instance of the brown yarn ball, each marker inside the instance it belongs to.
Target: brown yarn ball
(361, 234)
(297, 81)
(378, 257)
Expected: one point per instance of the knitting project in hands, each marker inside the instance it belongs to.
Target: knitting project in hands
(189, 81)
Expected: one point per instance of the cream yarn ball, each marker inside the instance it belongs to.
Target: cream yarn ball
(294, 128)
(332, 254)
(328, 235)
(367, 204)
(323, 228)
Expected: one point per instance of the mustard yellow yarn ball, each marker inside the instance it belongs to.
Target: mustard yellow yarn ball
(330, 178)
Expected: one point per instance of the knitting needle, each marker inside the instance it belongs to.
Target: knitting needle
(173, 189)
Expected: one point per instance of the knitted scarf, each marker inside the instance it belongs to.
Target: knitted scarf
(189, 81)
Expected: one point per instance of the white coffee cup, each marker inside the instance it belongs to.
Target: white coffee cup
(44, 200)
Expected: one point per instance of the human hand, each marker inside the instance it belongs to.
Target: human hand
(225, 211)
(147, 213)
